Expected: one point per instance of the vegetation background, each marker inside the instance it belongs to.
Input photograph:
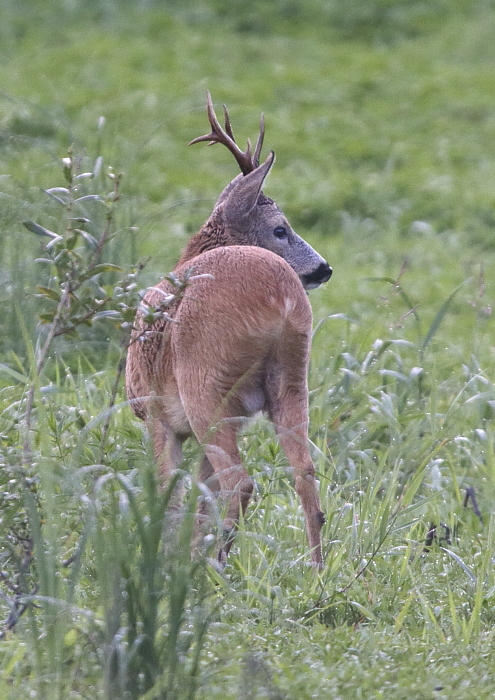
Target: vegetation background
(381, 116)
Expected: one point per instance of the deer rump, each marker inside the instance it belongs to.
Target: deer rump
(244, 320)
(236, 332)
(239, 343)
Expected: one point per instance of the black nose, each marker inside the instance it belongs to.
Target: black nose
(319, 276)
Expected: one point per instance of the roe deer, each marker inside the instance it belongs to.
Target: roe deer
(239, 342)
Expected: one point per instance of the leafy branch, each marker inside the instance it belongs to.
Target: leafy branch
(82, 288)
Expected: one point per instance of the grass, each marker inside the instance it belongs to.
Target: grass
(380, 115)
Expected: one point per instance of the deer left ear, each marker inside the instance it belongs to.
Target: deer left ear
(245, 191)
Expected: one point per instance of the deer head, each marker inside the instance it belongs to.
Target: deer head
(248, 217)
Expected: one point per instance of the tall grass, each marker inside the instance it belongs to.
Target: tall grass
(147, 617)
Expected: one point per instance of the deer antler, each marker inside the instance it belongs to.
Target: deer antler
(247, 160)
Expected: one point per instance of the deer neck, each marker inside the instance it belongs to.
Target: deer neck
(211, 235)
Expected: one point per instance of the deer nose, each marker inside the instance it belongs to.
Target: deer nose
(319, 276)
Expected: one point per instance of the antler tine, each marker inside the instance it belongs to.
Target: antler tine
(228, 125)
(245, 159)
(230, 133)
(216, 129)
(259, 142)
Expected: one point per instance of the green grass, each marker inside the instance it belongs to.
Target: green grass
(381, 117)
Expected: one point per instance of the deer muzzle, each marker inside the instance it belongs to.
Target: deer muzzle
(318, 276)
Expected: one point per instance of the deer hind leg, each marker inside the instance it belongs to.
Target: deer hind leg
(236, 486)
(207, 510)
(222, 469)
(208, 477)
(289, 413)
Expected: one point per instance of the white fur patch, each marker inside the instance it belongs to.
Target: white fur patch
(253, 400)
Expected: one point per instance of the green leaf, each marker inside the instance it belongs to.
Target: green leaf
(13, 373)
(461, 563)
(439, 318)
(98, 269)
(365, 612)
(98, 166)
(80, 219)
(58, 190)
(112, 314)
(83, 176)
(54, 192)
(90, 240)
(39, 230)
(90, 198)
(402, 613)
(50, 293)
(390, 280)
(69, 332)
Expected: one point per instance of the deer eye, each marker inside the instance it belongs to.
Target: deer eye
(280, 232)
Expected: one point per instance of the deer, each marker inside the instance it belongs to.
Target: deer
(237, 342)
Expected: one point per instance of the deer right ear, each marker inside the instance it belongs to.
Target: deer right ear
(243, 195)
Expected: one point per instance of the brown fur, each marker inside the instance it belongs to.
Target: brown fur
(212, 235)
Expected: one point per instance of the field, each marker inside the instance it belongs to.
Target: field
(381, 116)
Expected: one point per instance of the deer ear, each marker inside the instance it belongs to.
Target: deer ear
(230, 187)
(241, 195)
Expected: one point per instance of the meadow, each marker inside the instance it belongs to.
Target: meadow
(381, 116)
